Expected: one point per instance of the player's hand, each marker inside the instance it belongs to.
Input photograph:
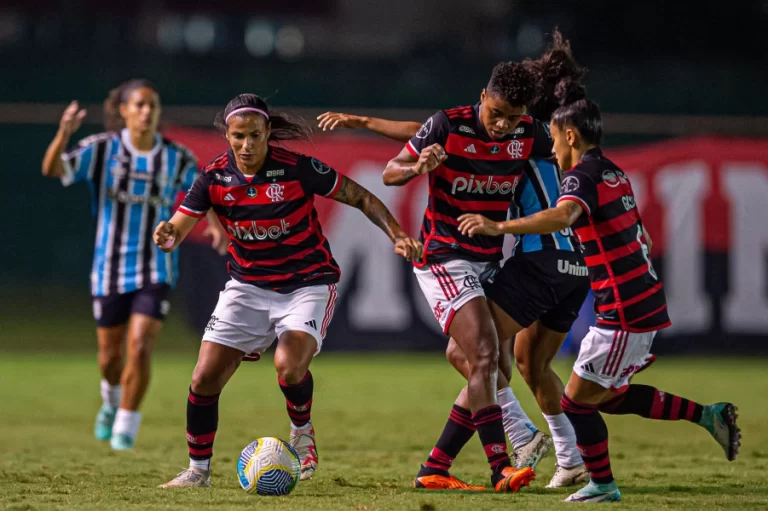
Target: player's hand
(430, 158)
(165, 236)
(409, 248)
(71, 119)
(331, 120)
(219, 239)
(470, 225)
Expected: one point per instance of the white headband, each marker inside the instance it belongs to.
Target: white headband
(245, 109)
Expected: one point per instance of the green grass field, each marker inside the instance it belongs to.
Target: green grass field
(376, 416)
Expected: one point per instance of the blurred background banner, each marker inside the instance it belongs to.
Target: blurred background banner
(684, 115)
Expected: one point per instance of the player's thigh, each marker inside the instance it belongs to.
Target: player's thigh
(307, 310)
(293, 355)
(241, 320)
(536, 346)
(111, 313)
(216, 363)
(571, 291)
(448, 286)
(519, 296)
(472, 328)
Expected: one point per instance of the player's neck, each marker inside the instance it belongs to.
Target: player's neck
(142, 140)
(251, 170)
(577, 153)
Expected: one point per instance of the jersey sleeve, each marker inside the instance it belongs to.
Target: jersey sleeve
(579, 187)
(434, 131)
(319, 178)
(78, 162)
(189, 169)
(542, 140)
(197, 202)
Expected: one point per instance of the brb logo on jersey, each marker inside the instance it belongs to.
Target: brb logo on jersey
(251, 231)
(489, 186)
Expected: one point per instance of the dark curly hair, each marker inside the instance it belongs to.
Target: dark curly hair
(113, 121)
(283, 126)
(513, 83)
(556, 66)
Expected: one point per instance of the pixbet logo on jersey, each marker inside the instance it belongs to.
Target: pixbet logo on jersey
(251, 231)
(489, 186)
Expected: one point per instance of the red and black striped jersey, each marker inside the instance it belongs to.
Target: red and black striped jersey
(628, 293)
(479, 176)
(276, 240)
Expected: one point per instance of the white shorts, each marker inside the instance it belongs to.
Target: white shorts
(249, 318)
(450, 285)
(611, 357)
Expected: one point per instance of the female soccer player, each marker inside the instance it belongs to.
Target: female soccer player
(283, 275)
(135, 175)
(530, 291)
(475, 157)
(598, 202)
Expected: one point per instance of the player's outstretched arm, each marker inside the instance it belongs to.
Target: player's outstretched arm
(545, 222)
(404, 167)
(169, 235)
(358, 197)
(402, 131)
(70, 122)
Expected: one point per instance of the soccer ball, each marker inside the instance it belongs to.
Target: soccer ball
(268, 466)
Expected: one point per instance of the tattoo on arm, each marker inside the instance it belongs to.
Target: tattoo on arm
(358, 197)
(571, 208)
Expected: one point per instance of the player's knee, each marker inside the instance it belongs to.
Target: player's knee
(486, 358)
(140, 348)
(290, 372)
(455, 355)
(205, 382)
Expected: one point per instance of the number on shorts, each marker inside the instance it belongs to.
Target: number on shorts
(646, 253)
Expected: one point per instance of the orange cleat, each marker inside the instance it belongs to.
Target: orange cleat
(441, 482)
(515, 478)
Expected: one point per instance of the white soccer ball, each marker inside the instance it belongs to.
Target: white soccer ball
(268, 466)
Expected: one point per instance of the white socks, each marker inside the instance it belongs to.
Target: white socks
(517, 425)
(204, 465)
(126, 423)
(565, 440)
(111, 394)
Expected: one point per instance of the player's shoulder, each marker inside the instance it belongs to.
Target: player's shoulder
(98, 139)
(219, 163)
(185, 151)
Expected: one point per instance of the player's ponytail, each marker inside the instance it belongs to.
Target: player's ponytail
(583, 115)
(283, 126)
(558, 78)
(113, 121)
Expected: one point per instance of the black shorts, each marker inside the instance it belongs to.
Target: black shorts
(115, 310)
(547, 285)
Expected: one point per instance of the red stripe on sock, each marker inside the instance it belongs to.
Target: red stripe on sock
(462, 420)
(202, 439)
(592, 451)
(201, 452)
(439, 456)
(571, 406)
(497, 449)
(486, 415)
(603, 473)
(202, 400)
(657, 408)
(283, 384)
(674, 413)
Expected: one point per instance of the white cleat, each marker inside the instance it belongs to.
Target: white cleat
(303, 440)
(530, 454)
(190, 478)
(565, 477)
